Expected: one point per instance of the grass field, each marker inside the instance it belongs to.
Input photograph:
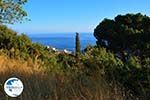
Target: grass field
(39, 85)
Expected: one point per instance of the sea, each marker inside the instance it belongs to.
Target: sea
(63, 41)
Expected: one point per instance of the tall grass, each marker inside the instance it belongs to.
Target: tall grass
(39, 85)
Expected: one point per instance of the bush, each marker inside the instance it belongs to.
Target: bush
(133, 75)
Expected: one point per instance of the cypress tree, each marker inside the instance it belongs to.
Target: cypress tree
(77, 44)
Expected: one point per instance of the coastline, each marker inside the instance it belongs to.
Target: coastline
(63, 41)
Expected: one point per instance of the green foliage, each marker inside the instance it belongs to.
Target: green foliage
(102, 57)
(134, 74)
(77, 44)
(127, 36)
(20, 45)
(125, 32)
(12, 11)
(6, 37)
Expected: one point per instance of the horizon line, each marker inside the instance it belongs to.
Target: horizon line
(54, 32)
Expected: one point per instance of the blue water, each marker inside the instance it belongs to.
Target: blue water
(63, 40)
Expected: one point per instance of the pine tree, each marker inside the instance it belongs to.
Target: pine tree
(77, 44)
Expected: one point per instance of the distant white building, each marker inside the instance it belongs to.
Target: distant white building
(47, 47)
(52, 48)
(57, 50)
(66, 51)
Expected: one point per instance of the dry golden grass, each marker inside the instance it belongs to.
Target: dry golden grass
(41, 86)
(14, 65)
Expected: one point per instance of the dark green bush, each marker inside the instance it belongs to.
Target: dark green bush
(134, 74)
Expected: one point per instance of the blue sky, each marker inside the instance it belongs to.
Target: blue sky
(52, 16)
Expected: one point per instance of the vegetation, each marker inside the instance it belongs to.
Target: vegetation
(126, 33)
(133, 75)
(11, 11)
(99, 73)
(41, 86)
(77, 44)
